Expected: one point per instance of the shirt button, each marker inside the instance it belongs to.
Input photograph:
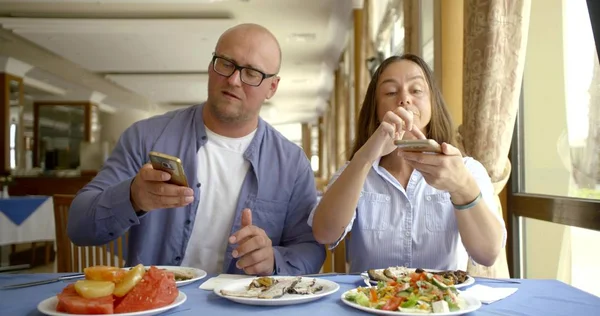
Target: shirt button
(131, 221)
(111, 234)
(407, 234)
(428, 198)
(188, 222)
(177, 258)
(387, 198)
(203, 137)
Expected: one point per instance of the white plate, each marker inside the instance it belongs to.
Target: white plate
(469, 281)
(48, 307)
(198, 274)
(473, 304)
(329, 288)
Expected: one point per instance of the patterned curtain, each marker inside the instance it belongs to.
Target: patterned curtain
(495, 37)
(586, 161)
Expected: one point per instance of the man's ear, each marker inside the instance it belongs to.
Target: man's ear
(273, 87)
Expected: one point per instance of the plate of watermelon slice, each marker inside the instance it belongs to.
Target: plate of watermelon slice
(48, 307)
(136, 292)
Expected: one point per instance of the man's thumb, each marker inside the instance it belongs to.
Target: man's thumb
(246, 217)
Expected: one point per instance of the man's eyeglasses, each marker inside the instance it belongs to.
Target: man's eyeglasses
(249, 76)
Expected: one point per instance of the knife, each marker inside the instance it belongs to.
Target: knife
(329, 274)
(63, 278)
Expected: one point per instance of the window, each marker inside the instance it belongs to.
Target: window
(426, 41)
(13, 145)
(556, 169)
(397, 42)
(314, 147)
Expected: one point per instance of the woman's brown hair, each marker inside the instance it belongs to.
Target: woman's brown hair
(440, 127)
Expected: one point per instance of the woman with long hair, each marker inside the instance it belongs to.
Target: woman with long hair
(412, 209)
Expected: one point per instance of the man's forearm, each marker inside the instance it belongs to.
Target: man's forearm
(97, 216)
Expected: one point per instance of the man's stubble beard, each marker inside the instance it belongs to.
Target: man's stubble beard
(218, 111)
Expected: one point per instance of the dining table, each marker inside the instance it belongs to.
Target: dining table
(25, 219)
(533, 297)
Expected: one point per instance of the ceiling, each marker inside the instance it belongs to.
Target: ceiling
(153, 55)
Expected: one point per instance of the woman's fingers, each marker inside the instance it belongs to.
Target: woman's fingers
(395, 120)
(403, 121)
(417, 132)
(388, 129)
(406, 116)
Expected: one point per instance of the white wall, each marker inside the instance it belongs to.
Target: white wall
(114, 124)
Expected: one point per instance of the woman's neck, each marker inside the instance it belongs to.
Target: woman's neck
(397, 167)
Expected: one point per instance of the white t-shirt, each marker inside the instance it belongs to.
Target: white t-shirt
(221, 172)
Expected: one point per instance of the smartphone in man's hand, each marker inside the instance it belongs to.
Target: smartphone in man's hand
(171, 165)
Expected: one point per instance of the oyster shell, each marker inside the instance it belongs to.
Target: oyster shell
(305, 287)
(270, 288)
(396, 272)
(378, 275)
(279, 288)
(254, 292)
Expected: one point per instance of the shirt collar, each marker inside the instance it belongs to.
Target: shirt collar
(386, 176)
(251, 153)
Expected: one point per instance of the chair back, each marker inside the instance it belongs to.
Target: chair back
(335, 261)
(72, 258)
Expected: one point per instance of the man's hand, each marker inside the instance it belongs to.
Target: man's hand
(254, 252)
(149, 191)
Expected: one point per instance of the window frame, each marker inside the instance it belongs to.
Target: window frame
(570, 211)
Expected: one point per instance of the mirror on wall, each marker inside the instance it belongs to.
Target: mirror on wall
(60, 129)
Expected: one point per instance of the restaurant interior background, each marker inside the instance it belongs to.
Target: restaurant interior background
(75, 74)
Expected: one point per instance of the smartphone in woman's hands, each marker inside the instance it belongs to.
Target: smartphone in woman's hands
(419, 145)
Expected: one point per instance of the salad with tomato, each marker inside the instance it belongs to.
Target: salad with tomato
(111, 290)
(422, 292)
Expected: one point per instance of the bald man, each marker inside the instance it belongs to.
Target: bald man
(250, 190)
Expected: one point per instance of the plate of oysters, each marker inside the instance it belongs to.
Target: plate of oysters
(456, 278)
(276, 290)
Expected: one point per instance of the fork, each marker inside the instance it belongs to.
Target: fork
(366, 278)
(175, 312)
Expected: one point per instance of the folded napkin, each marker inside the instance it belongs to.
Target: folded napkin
(488, 294)
(211, 283)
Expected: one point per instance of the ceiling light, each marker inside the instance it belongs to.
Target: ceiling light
(301, 80)
(302, 37)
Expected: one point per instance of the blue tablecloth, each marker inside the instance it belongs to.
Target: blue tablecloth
(19, 208)
(534, 297)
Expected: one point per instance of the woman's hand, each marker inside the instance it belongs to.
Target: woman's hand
(393, 126)
(445, 171)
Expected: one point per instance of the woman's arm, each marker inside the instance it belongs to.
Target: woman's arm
(337, 206)
(480, 230)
